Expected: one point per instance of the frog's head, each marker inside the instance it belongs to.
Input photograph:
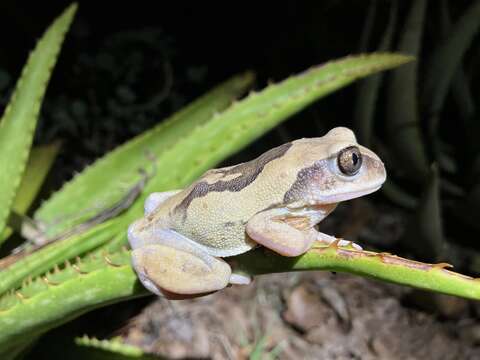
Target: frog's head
(333, 168)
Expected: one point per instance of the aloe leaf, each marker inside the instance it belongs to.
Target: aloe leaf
(63, 295)
(367, 90)
(446, 59)
(38, 166)
(86, 347)
(460, 84)
(105, 182)
(14, 271)
(368, 26)
(251, 117)
(19, 120)
(402, 109)
(113, 349)
(208, 140)
(425, 232)
(248, 119)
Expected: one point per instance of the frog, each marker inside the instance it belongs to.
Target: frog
(181, 244)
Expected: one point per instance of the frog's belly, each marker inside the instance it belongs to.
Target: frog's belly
(220, 240)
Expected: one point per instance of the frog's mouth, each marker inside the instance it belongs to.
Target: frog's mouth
(336, 198)
(318, 201)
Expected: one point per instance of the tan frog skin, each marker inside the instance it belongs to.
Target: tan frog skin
(274, 200)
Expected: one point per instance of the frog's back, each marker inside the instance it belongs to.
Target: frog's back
(214, 210)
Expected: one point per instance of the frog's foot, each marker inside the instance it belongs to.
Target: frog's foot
(328, 239)
(161, 268)
(240, 279)
(284, 234)
(168, 262)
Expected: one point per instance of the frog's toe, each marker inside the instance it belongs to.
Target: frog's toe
(240, 279)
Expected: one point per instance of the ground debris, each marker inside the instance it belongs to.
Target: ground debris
(309, 316)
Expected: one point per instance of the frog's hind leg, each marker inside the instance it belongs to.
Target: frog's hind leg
(154, 199)
(168, 262)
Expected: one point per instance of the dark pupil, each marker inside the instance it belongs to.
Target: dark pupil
(355, 159)
(350, 160)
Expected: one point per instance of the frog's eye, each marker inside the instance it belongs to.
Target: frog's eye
(349, 160)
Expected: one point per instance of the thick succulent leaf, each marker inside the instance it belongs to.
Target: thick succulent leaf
(460, 82)
(69, 285)
(425, 232)
(250, 118)
(367, 90)
(445, 60)
(404, 134)
(19, 120)
(15, 268)
(107, 181)
(65, 294)
(368, 27)
(114, 349)
(38, 166)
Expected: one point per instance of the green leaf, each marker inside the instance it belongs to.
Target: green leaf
(460, 82)
(106, 181)
(402, 120)
(205, 146)
(16, 268)
(367, 90)
(113, 349)
(251, 117)
(38, 166)
(64, 295)
(19, 120)
(425, 232)
(446, 59)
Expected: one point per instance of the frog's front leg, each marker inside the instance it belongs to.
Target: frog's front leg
(290, 233)
(167, 261)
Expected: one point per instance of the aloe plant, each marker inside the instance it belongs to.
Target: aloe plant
(88, 266)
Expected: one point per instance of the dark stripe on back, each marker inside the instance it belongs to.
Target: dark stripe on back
(247, 173)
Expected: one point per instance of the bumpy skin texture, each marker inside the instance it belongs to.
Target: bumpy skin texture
(274, 200)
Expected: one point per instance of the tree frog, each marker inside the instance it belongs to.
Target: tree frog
(275, 200)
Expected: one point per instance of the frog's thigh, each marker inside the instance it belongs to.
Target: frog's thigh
(154, 199)
(284, 234)
(178, 265)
